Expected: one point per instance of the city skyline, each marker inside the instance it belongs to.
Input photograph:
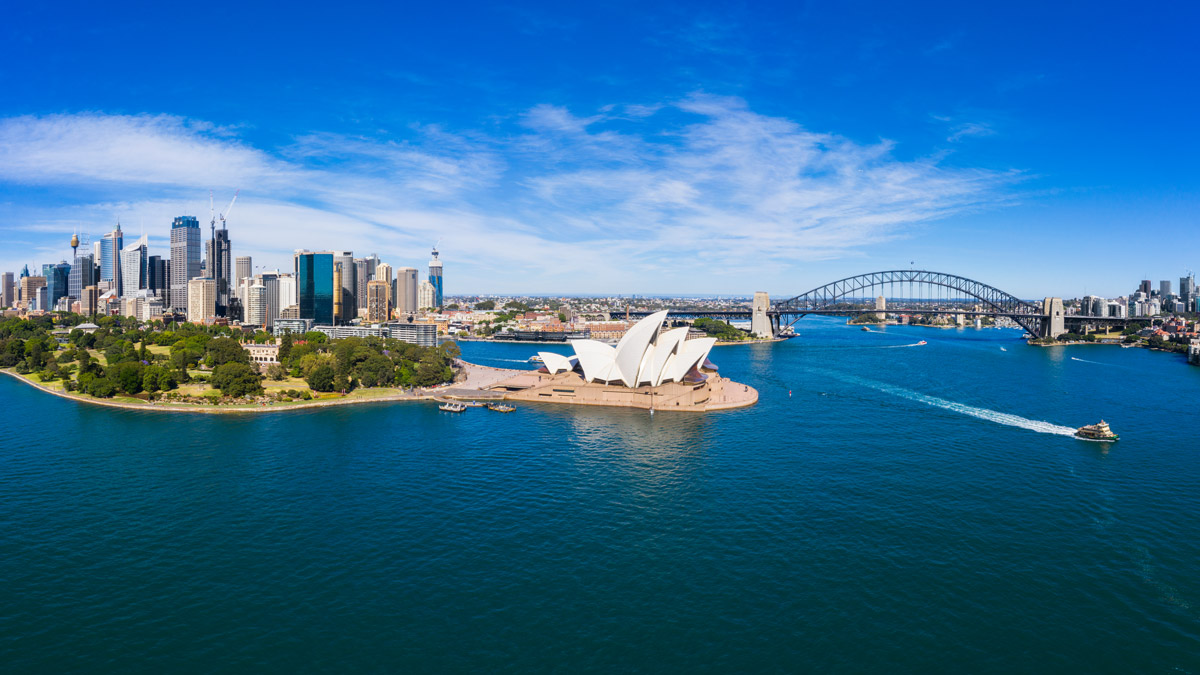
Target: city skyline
(774, 151)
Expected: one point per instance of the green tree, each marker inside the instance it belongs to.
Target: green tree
(223, 350)
(316, 337)
(321, 378)
(285, 347)
(128, 376)
(376, 371)
(485, 305)
(237, 379)
(102, 387)
(276, 372)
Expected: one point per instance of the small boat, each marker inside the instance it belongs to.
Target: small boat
(474, 404)
(922, 342)
(452, 407)
(500, 407)
(1097, 432)
(1003, 349)
(866, 329)
(536, 359)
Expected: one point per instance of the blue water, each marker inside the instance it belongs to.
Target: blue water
(884, 508)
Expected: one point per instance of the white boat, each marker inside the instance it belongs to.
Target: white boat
(536, 359)
(452, 407)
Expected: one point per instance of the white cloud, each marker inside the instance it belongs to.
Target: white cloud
(696, 194)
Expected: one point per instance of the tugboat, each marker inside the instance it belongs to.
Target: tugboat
(452, 407)
(1097, 432)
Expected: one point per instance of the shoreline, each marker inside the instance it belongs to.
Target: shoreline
(219, 409)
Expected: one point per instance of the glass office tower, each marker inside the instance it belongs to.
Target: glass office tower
(314, 287)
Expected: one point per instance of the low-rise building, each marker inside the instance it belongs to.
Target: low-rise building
(262, 355)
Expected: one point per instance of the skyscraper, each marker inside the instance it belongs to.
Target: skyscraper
(1145, 287)
(427, 296)
(57, 283)
(349, 284)
(110, 258)
(377, 301)
(7, 290)
(202, 299)
(314, 286)
(435, 278)
(256, 305)
(339, 299)
(362, 277)
(83, 274)
(1164, 288)
(219, 266)
(134, 260)
(383, 272)
(185, 258)
(243, 268)
(406, 290)
(157, 281)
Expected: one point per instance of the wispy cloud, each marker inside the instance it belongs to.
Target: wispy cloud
(628, 198)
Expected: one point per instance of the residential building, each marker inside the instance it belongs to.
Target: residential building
(435, 279)
(377, 301)
(185, 258)
(256, 305)
(423, 334)
(427, 296)
(7, 290)
(202, 299)
(134, 261)
(29, 289)
(404, 295)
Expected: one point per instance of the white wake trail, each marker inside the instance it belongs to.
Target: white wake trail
(964, 409)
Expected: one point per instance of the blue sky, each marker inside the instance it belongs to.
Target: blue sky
(620, 147)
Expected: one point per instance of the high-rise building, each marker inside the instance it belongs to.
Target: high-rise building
(219, 266)
(256, 305)
(314, 286)
(427, 296)
(58, 279)
(283, 296)
(7, 290)
(1164, 288)
(89, 300)
(185, 258)
(349, 283)
(83, 274)
(29, 289)
(405, 291)
(134, 261)
(110, 258)
(435, 279)
(1145, 287)
(243, 268)
(383, 272)
(157, 280)
(377, 301)
(202, 299)
(1187, 291)
(362, 278)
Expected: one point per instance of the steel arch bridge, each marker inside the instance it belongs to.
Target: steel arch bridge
(921, 290)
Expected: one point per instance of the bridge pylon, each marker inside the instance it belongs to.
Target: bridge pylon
(1055, 322)
(760, 321)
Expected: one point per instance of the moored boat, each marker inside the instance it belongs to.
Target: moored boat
(452, 407)
(1097, 432)
(500, 407)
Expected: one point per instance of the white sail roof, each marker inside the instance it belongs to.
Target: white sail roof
(644, 356)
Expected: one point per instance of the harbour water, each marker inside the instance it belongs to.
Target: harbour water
(886, 507)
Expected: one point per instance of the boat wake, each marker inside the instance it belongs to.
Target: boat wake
(1086, 361)
(915, 344)
(996, 416)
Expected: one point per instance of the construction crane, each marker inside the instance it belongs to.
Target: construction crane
(229, 209)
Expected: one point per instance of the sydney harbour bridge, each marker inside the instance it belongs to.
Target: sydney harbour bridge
(904, 292)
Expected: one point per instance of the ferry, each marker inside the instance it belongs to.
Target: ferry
(452, 407)
(1097, 432)
(500, 407)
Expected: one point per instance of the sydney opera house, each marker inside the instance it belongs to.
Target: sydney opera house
(645, 356)
(648, 368)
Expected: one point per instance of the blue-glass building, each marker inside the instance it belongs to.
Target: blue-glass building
(314, 287)
(435, 279)
(110, 255)
(58, 279)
